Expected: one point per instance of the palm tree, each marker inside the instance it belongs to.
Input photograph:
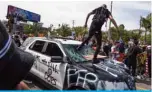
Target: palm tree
(146, 23)
(63, 30)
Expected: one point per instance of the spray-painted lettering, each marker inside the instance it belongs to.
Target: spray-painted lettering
(82, 76)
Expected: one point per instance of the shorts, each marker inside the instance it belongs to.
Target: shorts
(95, 27)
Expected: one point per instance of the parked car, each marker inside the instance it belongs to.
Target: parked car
(59, 65)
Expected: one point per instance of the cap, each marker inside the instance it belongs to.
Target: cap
(14, 62)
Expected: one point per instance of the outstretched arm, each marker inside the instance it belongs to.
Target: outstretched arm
(113, 21)
(88, 18)
(115, 24)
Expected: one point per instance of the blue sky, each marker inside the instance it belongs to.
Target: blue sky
(55, 12)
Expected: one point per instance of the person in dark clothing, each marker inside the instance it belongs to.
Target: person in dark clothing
(17, 40)
(101, 16)
(122, 47)
(15, 63)
(106, 49)
(132, 55)
(149, 61)
(24, 37)
(110, 45)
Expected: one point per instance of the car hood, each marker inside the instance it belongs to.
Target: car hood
(119, 66)
(110, 76)
(102, 71)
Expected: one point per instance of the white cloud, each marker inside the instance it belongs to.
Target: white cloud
(55, 12)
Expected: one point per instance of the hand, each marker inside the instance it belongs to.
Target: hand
(22, 86)
(85, 25)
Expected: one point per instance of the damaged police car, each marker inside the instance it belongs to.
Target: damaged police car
(59, 64)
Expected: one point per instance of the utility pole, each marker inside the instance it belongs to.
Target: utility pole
(109, 33)
(73, 22)
(73, 32)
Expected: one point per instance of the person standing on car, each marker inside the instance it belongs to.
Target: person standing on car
(101, 15)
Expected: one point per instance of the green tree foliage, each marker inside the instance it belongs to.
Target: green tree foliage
(64, 30)
(146, 23)
(28, 29)
(34, 29)
(114, 33)
(125, 34)
(80, 31)
(104, 36)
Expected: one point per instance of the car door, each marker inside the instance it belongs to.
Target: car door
(36, 50)
(54, 72)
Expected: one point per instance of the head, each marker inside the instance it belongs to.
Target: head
(111, 41)
(135, 42)
(104, 6)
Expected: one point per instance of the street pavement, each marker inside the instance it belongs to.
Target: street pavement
(143, 85)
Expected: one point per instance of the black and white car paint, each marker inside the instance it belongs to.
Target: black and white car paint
(65, 73)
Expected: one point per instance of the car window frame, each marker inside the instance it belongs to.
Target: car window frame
(31, 46)
(46, 48)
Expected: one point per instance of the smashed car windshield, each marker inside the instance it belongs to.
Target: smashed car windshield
(78, 56)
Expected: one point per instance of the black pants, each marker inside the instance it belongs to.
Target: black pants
(149, 66)
(132, 63)
(95, 30)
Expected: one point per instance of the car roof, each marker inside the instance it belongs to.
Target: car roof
(67, 41)
(41, 38)
(30, 39)
(63, 41)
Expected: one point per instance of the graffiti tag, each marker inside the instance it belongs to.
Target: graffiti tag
(52, 68)
(82, 77)
(49, 78)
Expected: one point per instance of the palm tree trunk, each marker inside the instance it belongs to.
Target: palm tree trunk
(145, 36)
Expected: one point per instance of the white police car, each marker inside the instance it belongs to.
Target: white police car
(59, 64)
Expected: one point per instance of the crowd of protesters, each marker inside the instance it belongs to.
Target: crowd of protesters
(19, 39)
(134, 55)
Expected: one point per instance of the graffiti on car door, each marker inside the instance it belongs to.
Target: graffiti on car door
(52, 68)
